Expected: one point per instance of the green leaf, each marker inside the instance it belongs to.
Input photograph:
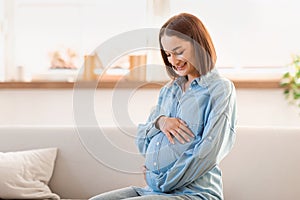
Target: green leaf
(287, 91)
(294, 86)
(286, 75)
(296, 95)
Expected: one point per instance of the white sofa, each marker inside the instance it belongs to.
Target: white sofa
(264, 163)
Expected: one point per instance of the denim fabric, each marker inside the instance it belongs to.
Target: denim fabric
(209, 109)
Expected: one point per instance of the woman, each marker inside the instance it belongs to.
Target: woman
(193, 125)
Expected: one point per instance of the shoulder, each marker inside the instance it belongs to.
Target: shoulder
(169, 84)
(221, 85)
(221, 91)
(168, 87)
(217, 84)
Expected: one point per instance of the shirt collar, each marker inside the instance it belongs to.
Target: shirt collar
(202, 81)
(180, 80)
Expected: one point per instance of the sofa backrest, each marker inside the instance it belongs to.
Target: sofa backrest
(263, 164)
(79, 172)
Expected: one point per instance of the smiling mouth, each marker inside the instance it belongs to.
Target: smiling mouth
(179, 68)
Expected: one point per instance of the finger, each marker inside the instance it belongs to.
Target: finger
(183, 135)
(188, 131)
(170, 138)
(182, 122)
(177, 136)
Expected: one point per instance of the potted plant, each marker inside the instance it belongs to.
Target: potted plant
(291, 81)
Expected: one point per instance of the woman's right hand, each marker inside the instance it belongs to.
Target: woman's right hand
(174, 127)
(144, 170)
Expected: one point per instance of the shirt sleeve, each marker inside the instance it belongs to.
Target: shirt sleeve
(148, 130)
(216, 142)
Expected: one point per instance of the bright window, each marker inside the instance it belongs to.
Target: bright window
(43, 27)
(251, 37)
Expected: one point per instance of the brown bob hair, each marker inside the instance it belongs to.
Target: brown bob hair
(190, 28)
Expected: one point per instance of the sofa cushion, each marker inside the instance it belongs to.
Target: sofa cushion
(26, 174)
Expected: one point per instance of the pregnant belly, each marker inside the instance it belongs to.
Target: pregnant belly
(161, 154)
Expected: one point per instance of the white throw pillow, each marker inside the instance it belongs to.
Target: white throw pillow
(26, 174)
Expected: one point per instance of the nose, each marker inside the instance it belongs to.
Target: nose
(173, 59)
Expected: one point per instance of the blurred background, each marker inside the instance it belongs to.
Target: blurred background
(47, 40)
(247, 34)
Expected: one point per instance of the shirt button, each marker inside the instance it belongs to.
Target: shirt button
(209, 138)
(194, 83)
(157, 143)
(155, 164)
(190, 88)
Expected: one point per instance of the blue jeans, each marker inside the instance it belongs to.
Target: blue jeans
(130, 194)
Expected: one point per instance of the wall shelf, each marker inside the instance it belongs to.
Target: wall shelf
(242, 83)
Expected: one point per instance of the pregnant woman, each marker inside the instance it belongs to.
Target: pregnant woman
(193, 125)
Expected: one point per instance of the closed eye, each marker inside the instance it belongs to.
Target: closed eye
(179, 53)
(175, 53)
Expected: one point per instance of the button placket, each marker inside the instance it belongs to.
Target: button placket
(156, 153)
(209, 138)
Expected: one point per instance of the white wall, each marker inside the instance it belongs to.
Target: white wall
(245, 33)
(262, 107)
(248, 33)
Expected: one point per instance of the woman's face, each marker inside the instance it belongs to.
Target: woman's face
(180, 54)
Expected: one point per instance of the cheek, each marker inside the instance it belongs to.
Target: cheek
(182, 57)
(190, 58)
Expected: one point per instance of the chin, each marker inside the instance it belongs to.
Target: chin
(182, 73)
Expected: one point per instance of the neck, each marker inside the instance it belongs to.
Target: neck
(191, 77)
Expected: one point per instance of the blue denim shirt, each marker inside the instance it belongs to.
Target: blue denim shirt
(209, 109)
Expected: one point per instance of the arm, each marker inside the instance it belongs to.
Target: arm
(217, 140)
(148, 130)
